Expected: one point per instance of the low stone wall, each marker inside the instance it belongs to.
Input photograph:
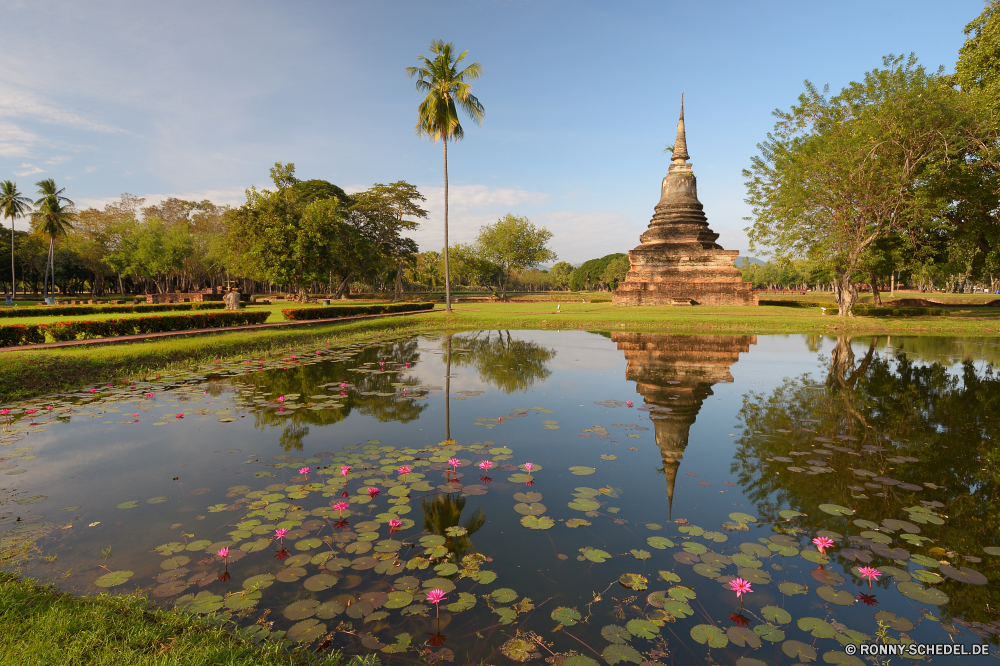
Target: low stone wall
(195, 297)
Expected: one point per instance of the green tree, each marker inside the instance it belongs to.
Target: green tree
(615, 272)
(52, 219)
(13, 205)
(838, 174)
(559, 275)
(590, 274)
(513, 243)
(447, 90)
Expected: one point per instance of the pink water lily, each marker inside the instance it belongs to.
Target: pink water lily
(30, 411)
(92, 391)
(181, 415)
(394, 524)
(436, 596)
(149, 395)
(454, 462)
(223, 552)
(486, 465)
(822, 543)
(529, 466)
(404, 470)
(281, 398)
(49, 407)
(373, 492)
(740, 587)
(280, 533)
(344, 471)
(871, 573)
(136, 415)
(340, 508)
(305, 470)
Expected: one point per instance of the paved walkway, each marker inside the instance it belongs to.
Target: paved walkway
(199, 331)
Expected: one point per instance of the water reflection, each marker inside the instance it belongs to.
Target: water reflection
(510, 365)
(443, 514)
(675, 373)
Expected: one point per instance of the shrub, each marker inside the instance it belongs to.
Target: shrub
(334, 311)
(24, 334)
(865, 310)
(63, 310)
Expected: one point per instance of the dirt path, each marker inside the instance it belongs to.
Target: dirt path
(198, 331)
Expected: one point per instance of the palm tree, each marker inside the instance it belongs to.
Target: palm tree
(48, 188)
(52, 219)
(447, 90)
(13, 205)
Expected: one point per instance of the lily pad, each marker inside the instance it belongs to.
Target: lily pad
(596, 555)
(741, 636)
(640, 554)
(128, 505)
(840, 598)
(300, 610)
(789, 589)
(836, 510)
(659, 542)
(584, 504)
(817, 627)
(306, 630)
(964, 575)
(533, 509)
(528, 497)
(577, 522)
(580, 470)
(803, 651)
(642, 628)
(615, 634)
(742, 517)
(633, 581)
(710, 634)
(775, 614)
(769, 633)
(538, 522)
(566, 616)
(925, 595)
(114, 578)
(616, 653)
(504, 595)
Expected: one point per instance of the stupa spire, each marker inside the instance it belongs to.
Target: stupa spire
(680, 146)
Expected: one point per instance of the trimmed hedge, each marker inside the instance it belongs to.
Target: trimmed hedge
(335, 311)
(26, 334)
(865, 310)
(62, 310)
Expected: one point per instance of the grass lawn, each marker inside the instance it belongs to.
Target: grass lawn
(41, 626)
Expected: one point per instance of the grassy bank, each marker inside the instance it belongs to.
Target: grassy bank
(28, 373)
(42, 626)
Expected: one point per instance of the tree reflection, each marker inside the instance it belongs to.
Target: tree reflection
(445, 511)
(510, 365)
(945, 419)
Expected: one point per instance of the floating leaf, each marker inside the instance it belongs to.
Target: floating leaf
(776, 614)
(504, 595)
(577, 522)
(259, 582)
(579, 660)
(633, 581)
(678, 609)
(925, 561)
(836, 510)
(114, 578)
(708, 633)
(817, 627)
(566, 616)
(815, 556)
(642, 628)
(789, 589)
(741, 636)
(803, 651)
(742, 517)
(401, 599)
(840, 598)
(202, 603)
(659, 542)
(528, 497)
(157, 500)
(615, 653)
(706, 570)
(584, 504)
(128, 505)
(465, 602)
(925, 595)
(533, 509)
(306, 630)
(669, 576)
(964, 575)
(769, 633)
(38, 498)
(615, 634)
(842, 659)
(582, 471)
(507, 615)
(640, 554)
(595, 555)
(754, 549)
(538, 522)
(300, 610)
(789, 513)
(519, 649)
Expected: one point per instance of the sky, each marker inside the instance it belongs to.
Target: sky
(199, 99)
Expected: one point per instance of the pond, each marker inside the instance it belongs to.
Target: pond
(577, 498)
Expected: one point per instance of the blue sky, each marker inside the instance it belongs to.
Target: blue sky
(199, 99)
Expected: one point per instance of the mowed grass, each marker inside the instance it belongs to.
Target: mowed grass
(40, 626)
(31, 318)
(28, 373)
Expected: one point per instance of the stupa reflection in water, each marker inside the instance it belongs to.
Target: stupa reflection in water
(677, 372)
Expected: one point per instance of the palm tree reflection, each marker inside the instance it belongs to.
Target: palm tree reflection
(445, 511)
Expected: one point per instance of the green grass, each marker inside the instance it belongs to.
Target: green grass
(41, 626)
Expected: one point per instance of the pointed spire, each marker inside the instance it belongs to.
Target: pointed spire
(680, 146)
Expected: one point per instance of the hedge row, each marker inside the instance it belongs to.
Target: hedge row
(334, 311)
(60, 310)
(27, 334)
(865, 310)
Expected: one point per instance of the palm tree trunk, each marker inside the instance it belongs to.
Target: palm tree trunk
(52, 264)
(447, 272)
(13, 280)
(447, 393)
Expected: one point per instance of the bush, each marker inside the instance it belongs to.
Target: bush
(865, 310)
(63, 310)
(800, 304)
(600, 300)
(25, 334)
(335, 311)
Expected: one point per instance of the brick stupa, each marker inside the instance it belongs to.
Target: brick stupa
(674, 374)
(679, 262)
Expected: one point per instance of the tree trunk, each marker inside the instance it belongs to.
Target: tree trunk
(845, 293)
(447, 393)
(447, 272)
(13, 275)
(344, 290)
(876, 298)
(303, 296)
(398, 296)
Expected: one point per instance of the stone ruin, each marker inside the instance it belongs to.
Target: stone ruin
(678, 261)
(232, 299)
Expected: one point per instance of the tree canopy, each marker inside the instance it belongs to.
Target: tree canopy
(513, 243)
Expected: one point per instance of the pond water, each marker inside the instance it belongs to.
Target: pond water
(579, 498)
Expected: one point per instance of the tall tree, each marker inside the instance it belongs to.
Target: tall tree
(13, 205)
(48, 188)
(447, 90)
(513, 243)
(52, 219)
(838, 174)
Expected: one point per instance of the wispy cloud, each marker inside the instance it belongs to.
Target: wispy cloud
(19, 103)
(58, 159)
(28, 170)
(16, 141)
(90, 169)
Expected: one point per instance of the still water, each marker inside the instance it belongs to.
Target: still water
(578, 498)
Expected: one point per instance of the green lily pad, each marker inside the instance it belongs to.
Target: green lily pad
(308, 544)
(741, 636)
(128, 505)
(840, 598)
(742, 517)
(769, 633)
(836, 510)
(175, 562)
(669, 576)
(596, 555)
(34, 500)
(465, 602)
(300, 610)
(259, 582)
(533, 509)
(504, 595)
(615, 634)
(706, 570)
(694, 547)
(577, 522)
(710, 634)
(507, 615)
(170, 548)
(925, 595)
(584, 504)
(642, 628)
(841, 659)
(678, 609)
(528, 497)
(616, 653)
(201, 544)
(538, 522)
(202, 603)
(399, 599)
(306, 631)
(158, 500)
(633, 581)
(238, 601)
(803, 651)
(659, 542)
(925, 561)
(580, 470)
(640, 554)
(566, 616)
(776, 614)
(114, 578)
(789, 589)
(817, 627)
(755, 549)
(815, 556)
(790, 513)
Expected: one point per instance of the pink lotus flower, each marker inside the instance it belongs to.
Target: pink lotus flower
(343, 384)
(93, 391)
(822, 543)
(529, 467)
(740, 587)
(223, 553)
(436, 596)
(871, 573)
(305, 470)
(110, 384)
(30, 411)
(340, 508)
(149, 395)
(136, 415)
(318, 351)
(394, 524)
(454, 462)
(629, 403)
(181, 415)
(404, 470)
(344, 471)
(280, 533)
(373, 492)
(281, 398)
(49, 407)
(486, 465)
